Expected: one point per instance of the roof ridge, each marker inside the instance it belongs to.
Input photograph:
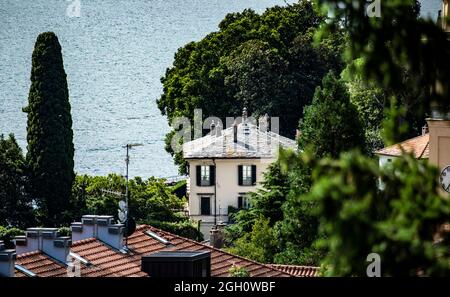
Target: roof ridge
(295, 266)
(32, 253)
(401, 142)
(424, 149)
(83, 241)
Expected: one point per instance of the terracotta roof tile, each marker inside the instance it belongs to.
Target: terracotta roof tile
(418, 146)
(106, 261)
(298, 271)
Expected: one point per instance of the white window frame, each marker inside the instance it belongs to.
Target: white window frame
(247, 178)
(205, 175)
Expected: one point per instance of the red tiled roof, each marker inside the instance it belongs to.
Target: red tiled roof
(298, 271)
(107, 261)
(40, 264)
(418, 146)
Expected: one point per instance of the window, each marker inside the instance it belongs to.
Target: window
(243, 202)
(205, 175)
(205, 206)
(247, 175)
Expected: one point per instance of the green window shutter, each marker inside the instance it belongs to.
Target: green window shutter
(199, 175)
(240, 175)
(212, 175)
(253, 174)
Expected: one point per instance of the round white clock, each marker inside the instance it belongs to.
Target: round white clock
(445, 179)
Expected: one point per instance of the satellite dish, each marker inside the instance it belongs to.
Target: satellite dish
(130, 227)
(122, 205)
(122, 216)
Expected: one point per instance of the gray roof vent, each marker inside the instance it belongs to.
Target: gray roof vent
(80, 259)
(157, 237)
(25, 271)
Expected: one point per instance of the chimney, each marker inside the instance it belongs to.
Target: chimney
(263, 123)
(235, 132)
(212, 128)
(244, 115)
(218, 130)
(87, 228)
(45, 240)
(7, 261)
(425, 129)
(29, 242)
(109, 233)
(100, 227)
(216, 238)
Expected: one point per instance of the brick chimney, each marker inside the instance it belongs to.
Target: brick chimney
(7, 261)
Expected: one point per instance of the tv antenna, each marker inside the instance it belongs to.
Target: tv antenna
(123, 205)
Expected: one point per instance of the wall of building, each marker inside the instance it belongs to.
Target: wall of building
(227, 188)
(439, 144)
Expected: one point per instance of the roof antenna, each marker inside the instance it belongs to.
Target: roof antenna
(124, 217)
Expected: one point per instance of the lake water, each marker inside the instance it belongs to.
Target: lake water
(114, 55)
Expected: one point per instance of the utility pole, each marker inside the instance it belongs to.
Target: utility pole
(127, 162)
(126, 208)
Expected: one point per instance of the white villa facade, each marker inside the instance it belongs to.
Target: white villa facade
(225, 166)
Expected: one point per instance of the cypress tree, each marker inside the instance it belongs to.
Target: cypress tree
(49, 132)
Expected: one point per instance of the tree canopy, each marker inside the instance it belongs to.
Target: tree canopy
(16, 205)
(265, 62)
(49, 132)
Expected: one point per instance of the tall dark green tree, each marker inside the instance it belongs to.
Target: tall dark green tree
(49, 132)
(15, 203)
(330, 125)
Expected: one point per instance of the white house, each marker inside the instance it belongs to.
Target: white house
(226, 165)
(418, 146)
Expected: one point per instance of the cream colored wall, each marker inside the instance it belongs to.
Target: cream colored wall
(227, 186)
(439, 144)
(445, 14)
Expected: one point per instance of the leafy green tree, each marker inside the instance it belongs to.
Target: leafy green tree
(16, 205)
(7, 234)
(265, 202)
(151, 202)
(266, 62)
(238, 271)
(49, 132)
(370, 102)
(260, 244)
(330, 124)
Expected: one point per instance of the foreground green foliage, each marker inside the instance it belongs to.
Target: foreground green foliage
(49, 133)
(400, 223)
